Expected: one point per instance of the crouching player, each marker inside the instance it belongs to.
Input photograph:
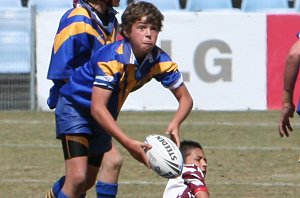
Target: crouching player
(191, 183)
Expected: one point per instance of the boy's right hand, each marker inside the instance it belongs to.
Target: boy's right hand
(137, 151)
(284, 125)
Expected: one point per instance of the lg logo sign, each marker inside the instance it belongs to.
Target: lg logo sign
(212, 60)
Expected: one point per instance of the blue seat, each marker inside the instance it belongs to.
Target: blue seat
(208, 5)
(123, 4)
(296, 5)
(51, 4)
(166, 5)
(15, 53)
(15, 40)
(10, 4)
(265, 5)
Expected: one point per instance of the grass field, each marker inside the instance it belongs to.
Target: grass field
(246, 156)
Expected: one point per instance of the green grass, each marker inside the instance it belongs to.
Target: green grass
(246, 156)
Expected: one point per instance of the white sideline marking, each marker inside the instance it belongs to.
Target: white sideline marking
(29, 146)
(239, 148)
(216, 183)
(259, 148)
(25, 122)
(134, 122)
(159, 183)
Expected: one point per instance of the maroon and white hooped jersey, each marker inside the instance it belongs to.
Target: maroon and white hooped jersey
(187, 185)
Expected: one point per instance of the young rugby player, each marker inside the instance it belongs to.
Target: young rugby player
(91, 100)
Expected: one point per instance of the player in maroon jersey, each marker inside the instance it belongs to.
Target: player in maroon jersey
(191, 183)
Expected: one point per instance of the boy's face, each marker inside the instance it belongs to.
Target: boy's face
(197, 157)
(142, 37)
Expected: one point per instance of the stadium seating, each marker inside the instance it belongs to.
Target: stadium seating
(166, 5)
(208, 5)
(51, 4)
(15, 41)
(17, 62)
(123, 4)
(265, 6)
(10, 4)
(297, 5)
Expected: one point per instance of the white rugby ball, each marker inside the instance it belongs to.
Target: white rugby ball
(164, 157)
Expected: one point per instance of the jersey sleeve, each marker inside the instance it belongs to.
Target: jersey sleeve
(107, 68)
(167, 72)
(106, 76)
(194, 179)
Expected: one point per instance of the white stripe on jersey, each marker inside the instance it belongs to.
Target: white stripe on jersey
(177, 84)
(175, 187)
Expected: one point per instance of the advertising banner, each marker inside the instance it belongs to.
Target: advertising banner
(222, 56)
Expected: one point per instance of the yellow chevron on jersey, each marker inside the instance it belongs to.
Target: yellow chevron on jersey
(74, 29)
(165, 66)
(79, 11)
(120, 50)
(111, 38)
(110, 67)
(83, 12)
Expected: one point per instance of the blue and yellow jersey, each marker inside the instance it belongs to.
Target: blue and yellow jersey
(115, 67)
(80, 34)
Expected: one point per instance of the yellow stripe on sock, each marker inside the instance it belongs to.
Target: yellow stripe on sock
(50, 194)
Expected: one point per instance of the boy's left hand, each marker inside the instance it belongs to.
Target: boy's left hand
(174, 136)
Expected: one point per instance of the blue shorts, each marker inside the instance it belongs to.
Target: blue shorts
(71, 120)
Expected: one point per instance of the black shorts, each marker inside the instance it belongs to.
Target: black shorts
(78, 146)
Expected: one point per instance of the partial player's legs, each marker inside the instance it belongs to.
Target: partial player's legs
(107, 184)
(81, 170)
(76, 173)
(91, 175)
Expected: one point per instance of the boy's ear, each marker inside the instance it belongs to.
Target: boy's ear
(126, 34)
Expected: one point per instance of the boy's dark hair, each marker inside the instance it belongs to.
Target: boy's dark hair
(138, 9)
(186, 146)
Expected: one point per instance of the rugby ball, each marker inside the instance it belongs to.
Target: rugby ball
(164, 157)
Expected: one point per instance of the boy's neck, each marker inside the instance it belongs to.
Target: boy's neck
(99, 7)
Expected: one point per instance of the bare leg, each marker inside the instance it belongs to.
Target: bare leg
(76, 174)
(109, 173)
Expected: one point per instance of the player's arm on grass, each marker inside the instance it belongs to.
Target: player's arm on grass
(290, 77)
(185, 106)
(100, 112)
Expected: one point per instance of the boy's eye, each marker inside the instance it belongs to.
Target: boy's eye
(154, 27)
(141, 27)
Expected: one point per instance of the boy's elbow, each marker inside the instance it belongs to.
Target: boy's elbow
(94, 111)
(190, 102)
